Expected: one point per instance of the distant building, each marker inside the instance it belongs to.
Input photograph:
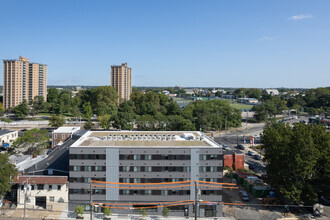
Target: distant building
(23, 80)
(43, 192)
(272, 92)
(7, 137)
(228, 96)
(62, 134)
(189, 91)
(121, 80)
(247, 100)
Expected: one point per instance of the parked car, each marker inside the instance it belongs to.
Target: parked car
(257, 157)
(244, 195)
(225, 147)
(241, 146)
(252, 167)
(251, 153)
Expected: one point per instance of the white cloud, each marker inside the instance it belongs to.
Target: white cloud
(267, 38)
(301, 16)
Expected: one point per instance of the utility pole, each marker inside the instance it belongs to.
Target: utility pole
(226, 123)
(91, 194)
(196, 200)
(25, 195)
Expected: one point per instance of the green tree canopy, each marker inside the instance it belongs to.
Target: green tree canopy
(254, 93)
(298, 161)
(88, 113)
(7, 170)
(35, 140)
(107, 211)
(2, 109)
(79, 211)
(21, 110)
(104, 121)
(166, 212)
(56, 120)
(38, 103)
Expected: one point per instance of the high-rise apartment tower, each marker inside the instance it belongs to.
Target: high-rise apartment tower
(23, 80)
(121, 80)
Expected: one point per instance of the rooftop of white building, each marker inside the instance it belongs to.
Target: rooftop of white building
(66, 129)
(143, 139)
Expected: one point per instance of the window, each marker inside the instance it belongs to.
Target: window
(125, 180)
(50, 187)
(148, 169)
(202, 157)
(88, 168)
(137, 180)
(76, 168)
(148, 157)
(63, 136)
(137, 169)
(55, 136)
(137, 157)
(40, 186)
(32, 187)
(126, 169)
(22, 187)
(98, 168)
(58, 187)
(51, 199)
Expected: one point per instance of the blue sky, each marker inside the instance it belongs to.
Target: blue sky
(206, 43)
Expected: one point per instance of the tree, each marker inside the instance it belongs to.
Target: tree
(2, 110)
(297, 161)
(166, 212)
(254, 93)
(104, 100)
(7, 170)
(52, 95)
(240, 92)
(125, 116)
(143, 213)
(79, 211)
(88, 125)
(88, 113)
(56, 120)
(38, 103)
(104, 121)
(107, 211)
(35, 140)
(21, 110)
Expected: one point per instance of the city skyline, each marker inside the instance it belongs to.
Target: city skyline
(173, 43)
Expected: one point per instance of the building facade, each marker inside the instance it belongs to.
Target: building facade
(23, 80)
(46, 192)
(121, 80)
(7, 138)
(129, 157)
(60, 135)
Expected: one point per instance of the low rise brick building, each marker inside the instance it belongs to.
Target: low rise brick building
(62, 134)
(45, 192)
(234, 160)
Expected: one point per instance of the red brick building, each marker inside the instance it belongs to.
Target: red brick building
(234, 160)
(62, 134)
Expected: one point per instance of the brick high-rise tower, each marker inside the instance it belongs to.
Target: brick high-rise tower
(23, 80)
(121, 80)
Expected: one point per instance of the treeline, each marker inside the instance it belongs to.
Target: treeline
(146, 110)
(312, 101)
